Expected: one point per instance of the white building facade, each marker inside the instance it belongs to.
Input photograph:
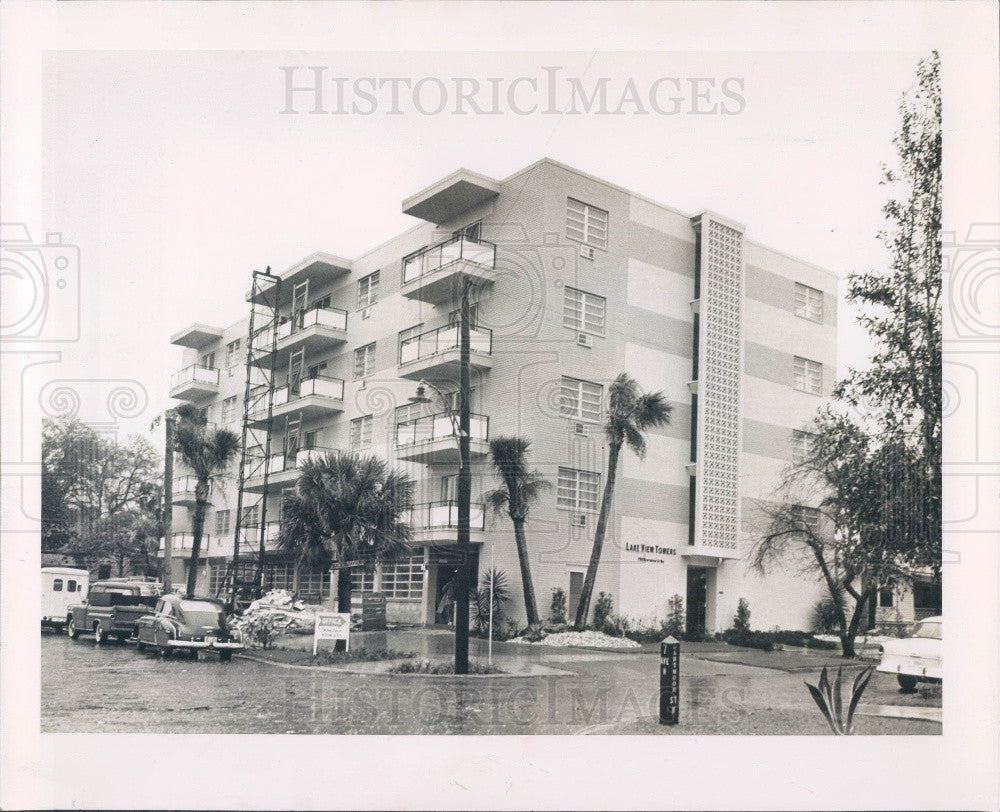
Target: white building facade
(574, 280)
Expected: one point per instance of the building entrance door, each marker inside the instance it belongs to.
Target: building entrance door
(444, 600)
(697, 601)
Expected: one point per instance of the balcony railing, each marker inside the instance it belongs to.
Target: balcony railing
(438, 256)
(251, 532)
(185, 541)
(288, 461)
(320, 386)
(437, 515)
(185, 484)
(442, 339)
(195, 374)
(332, 317)
(437, 427)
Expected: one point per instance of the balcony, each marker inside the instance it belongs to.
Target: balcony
(431, 440)
(436, 523)
(196, 336)
(314, 330)
(320, 269)
(250, 540)
(282, 469)
(182, 543)
(434, 275)
(313, 397)
(435, 354)
(183, 491)
(457, 193)
(194, 383)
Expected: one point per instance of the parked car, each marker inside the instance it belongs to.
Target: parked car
(916, 658)
(112, 608)
(61, 587)
(188, 624)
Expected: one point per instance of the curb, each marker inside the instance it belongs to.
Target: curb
(554, 672)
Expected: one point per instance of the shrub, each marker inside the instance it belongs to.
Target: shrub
(674, 625)
(826, 614)
(427, 667)
(749, 639)
(501, 595)
(741, 622)
(557, 612)
(602, 609)
(617, 626)
(365, 655)
(828, 699)
(534, 634)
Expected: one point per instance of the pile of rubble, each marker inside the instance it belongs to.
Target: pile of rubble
(287, 615)
(587, 638)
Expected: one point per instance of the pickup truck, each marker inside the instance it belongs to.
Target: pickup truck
(112, 608)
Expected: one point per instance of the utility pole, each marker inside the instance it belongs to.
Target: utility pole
(169, 421)
(464, 492)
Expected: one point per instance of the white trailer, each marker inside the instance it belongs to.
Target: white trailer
(61, 587)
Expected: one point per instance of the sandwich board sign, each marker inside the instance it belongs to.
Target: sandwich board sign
(332, 626)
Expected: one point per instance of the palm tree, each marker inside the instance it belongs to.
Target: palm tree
(629, 414)
(520, 488)
(346, 507)
(208, 453)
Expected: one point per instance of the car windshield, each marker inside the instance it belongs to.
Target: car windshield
(931, 630)
(200, 613)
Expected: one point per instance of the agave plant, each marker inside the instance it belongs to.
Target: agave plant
(829, 701)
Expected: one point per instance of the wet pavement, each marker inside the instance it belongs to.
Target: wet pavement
(112, 688)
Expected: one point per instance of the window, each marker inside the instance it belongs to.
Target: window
(451, 398)
(308, 443)
(885, 598)
(217, 578)
(251, 516)
(473, 231)
(368, 290)
(362, 581)
(409, 349)
(229, 410)
(57, 585)
(71, 586)
(581, 399)
(315, 371)
(586, 224)
(279, 575)
(577, 490)
(364, 361)
(802, 446)
(314, 582)
(208, 360)
(404, 579)
(361, 432)
(232, 354)
(583, 311)
(221, 522)
(808, 302)
(808, 375)
(455, 316)
(323, 303)
(806, 516)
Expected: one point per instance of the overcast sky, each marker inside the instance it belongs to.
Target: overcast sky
(177, 175)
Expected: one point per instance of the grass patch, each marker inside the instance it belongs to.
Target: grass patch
(330, 657)
(427, 667)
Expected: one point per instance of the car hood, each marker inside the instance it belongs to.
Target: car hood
(913, 647)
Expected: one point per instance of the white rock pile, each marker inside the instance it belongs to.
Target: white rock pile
(586, 638)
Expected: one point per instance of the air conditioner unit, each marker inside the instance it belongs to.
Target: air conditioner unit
(584, 340)
(366, 313)
(580, 428)
(587, 251)
(578, 520)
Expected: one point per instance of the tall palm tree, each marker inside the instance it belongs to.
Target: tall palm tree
(208, 453)
(630, 413)
(520, 487)
(347, 507)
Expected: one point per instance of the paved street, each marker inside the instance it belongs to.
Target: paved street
(115, 689)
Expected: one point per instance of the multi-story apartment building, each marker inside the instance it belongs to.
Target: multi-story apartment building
(574, 280)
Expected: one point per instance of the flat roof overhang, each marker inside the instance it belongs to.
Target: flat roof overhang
(319, 268)
(196, 336)
(448, 198)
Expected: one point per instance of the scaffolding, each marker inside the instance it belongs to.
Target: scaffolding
(245, 575)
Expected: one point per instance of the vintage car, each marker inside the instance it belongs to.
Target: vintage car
(188, 624)
(61, 588)
(112, 608)
(916, 658)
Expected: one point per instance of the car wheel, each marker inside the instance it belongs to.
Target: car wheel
(907, 682)
(99, 637)
(71, 630)
(140, 646)
(225, 656)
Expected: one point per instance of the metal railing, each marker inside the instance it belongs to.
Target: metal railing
(437, 427)
(195, 373)
(442, 339)
(435, 257)
(320, 386)
(285, 461)
(185, 484)
(183, 540)
(436, 515)
(332, 317)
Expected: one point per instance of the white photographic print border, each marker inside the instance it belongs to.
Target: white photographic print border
(546, 68)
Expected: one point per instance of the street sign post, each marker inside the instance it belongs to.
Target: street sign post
(670, 681)
(332, 626)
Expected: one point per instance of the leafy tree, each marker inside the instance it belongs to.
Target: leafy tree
(630, 413)
(520, 487)
(208, 453)
(347, 507)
